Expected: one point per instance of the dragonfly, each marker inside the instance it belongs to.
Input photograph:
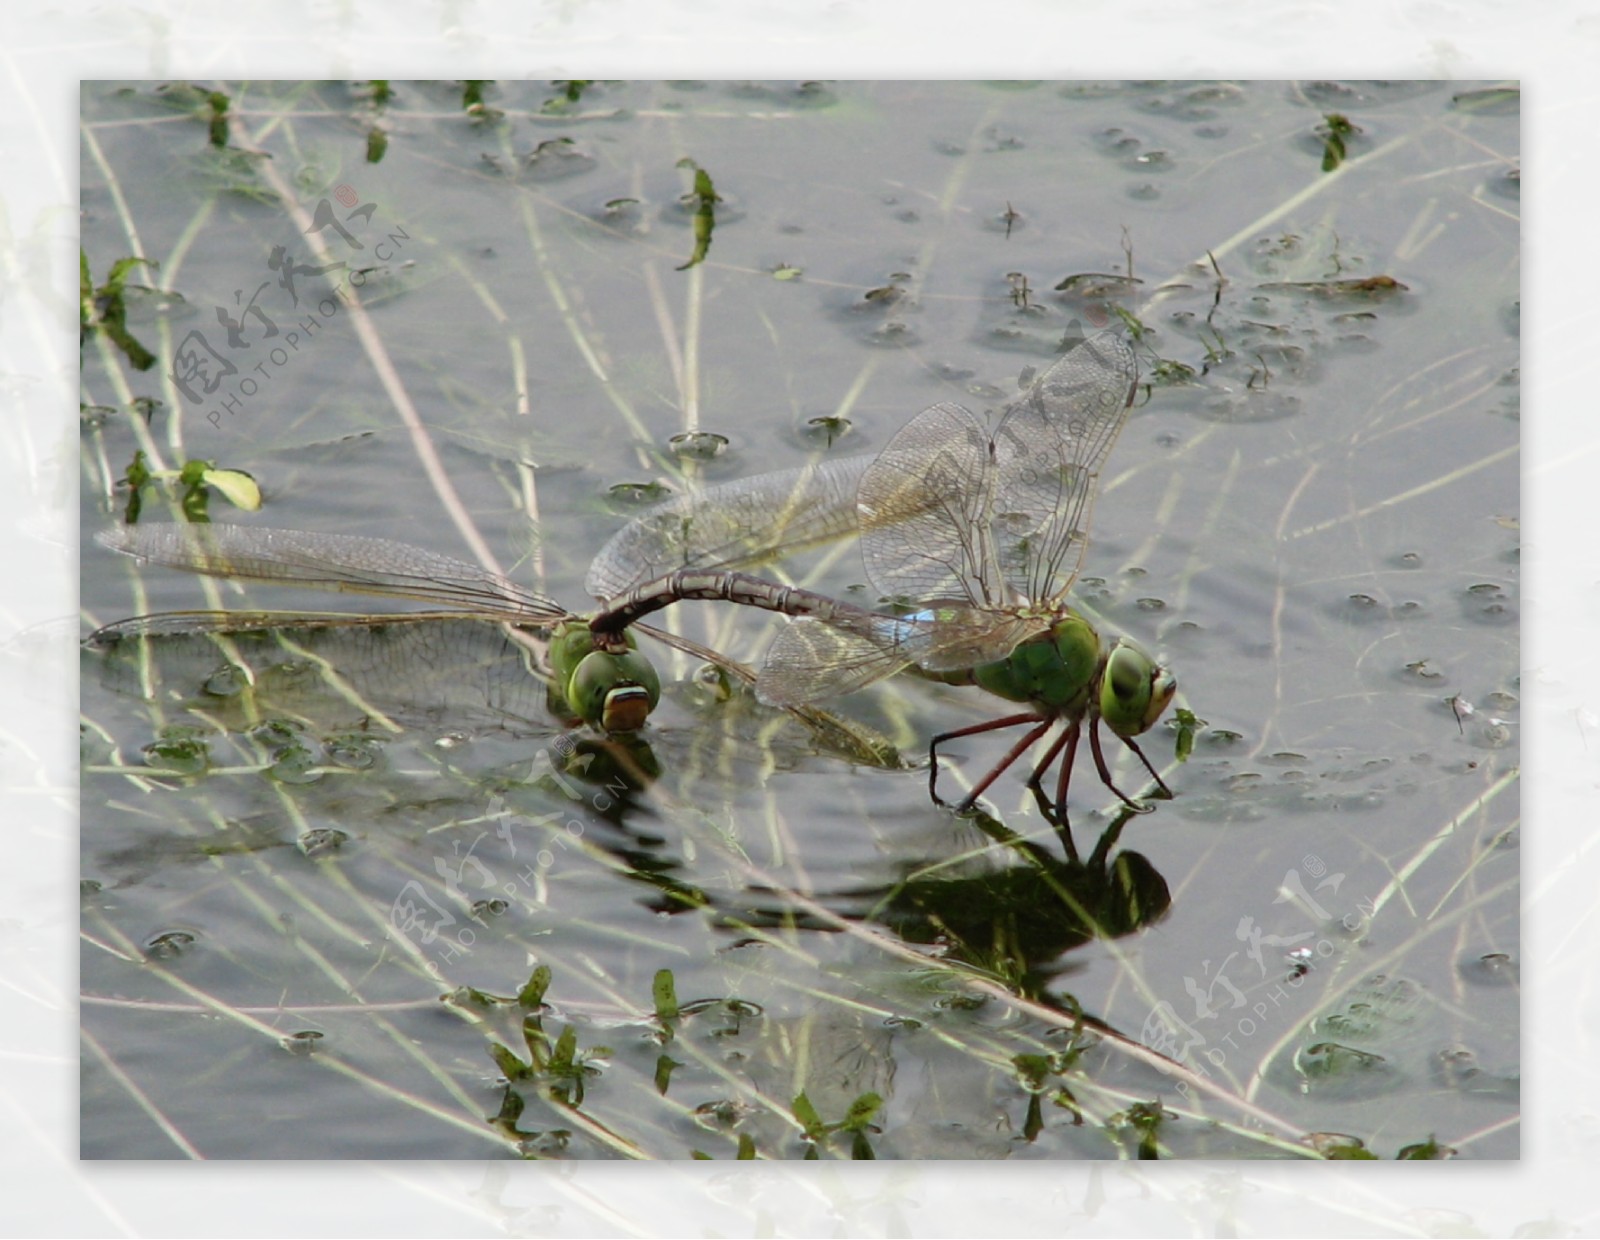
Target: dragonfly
(974, 536)
(614, 690)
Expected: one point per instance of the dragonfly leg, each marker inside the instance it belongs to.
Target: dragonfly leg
(1049, 757)
(1016, 751)
(1055, 812)
(1073, 734)
(1010, 721)
(1154, 774)
(973, 730)
(1105, 771)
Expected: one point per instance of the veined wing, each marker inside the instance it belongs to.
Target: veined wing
(1048, 450)
(344, 562)
(924, 506)
(736, 524)
(930, 476)
(810, 661)
(813, 658)
(202, 623)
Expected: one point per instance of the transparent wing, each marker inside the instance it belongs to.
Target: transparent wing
(924, 506)
(814, 658)
(1049, 449)
(357, 679)
(200, 623)
(966, 637)
(735, 524)
(809, 661)
(342, 562)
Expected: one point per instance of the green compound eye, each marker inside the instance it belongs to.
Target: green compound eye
(1134, 690)
(569, 644)
(615, 692)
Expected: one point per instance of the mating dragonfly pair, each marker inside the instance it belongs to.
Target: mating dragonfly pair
(972, 537)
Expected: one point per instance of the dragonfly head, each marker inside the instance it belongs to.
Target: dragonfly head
(612, 691)
(1135, 690)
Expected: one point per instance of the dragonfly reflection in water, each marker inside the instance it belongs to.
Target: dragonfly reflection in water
(976, 536)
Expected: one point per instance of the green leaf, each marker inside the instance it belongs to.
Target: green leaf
(138, 474)
(566, 1048)
(537, 1041)
(119, 273)
(1135, 325)
(1033, 1124)
(217, 125)
(810, 1121)
(705, 223)
(1187, 724)
(1335, 128)
(1031, 1070)
(572, 92)
(861, 1112)
(104, 308)
(1339, 1146)
(1332, 152)
(511, 1106)
(512, 1068)
(237, 487)
(665, 994)
(196, 502)
(137, 477)
(1429, 1149)
(705, 216)
(532, 994)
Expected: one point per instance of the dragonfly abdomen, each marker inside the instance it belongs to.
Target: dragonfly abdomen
(715, 586)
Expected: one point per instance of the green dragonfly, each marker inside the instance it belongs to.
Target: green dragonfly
(614, 690)
(975, 537)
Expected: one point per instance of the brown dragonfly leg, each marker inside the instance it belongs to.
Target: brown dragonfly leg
(1016, 751)
(1154, 774)
(1055, 813)
(1073, 734)
(1105, 771)
(1043, 765)
(994, 725)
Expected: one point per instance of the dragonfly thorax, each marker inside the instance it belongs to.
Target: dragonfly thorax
(1055, 670)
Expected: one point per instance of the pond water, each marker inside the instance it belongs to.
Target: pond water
(374, 897)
